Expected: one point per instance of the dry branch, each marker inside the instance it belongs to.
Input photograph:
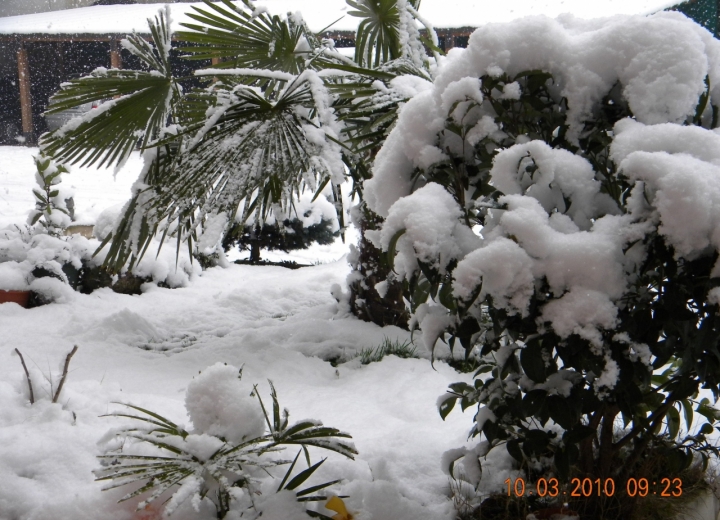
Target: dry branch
(27, 375)
(64, 374)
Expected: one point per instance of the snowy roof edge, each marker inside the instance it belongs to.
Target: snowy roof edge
(111, 20)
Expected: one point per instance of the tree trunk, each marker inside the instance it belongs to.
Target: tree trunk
(254, 252)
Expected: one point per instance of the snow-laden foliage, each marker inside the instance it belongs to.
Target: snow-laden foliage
(52, 266)
(279, 113)
(40, 262)
(552, 204)
(228, 456)
(51, 204)
(308, 221)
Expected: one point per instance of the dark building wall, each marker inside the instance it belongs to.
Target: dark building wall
(704, 12)
(51, 63)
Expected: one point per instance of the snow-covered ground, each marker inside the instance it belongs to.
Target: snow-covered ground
(276, 323)
(95, 190)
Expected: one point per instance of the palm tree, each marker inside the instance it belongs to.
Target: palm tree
(281, 112)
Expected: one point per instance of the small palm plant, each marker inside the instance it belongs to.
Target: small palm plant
(227, 472)
(281, 112)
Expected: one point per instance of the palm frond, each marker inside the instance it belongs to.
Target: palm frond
(367, 104)
(136, 228)
(243, 37)
(177, 462)
(136, 107)
(251, 146)
(378, 31)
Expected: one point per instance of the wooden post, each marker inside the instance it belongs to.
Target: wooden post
(449, 40)
(25, 98)
(115, 57)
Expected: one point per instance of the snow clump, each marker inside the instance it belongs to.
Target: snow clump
(660, 61)
(219, 404)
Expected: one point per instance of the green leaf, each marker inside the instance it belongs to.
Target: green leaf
(578, 433)
(562, 463)
(138, 106)
(513, 448)
(241, 38)
(301, 477)
(378, 31)
(561, 412)
(704, 409)
(673, 421)
(687, 408)
(445, 296)
(531, 359)
(392, 246)
(447, 405)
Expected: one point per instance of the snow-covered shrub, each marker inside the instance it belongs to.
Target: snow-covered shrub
(41, 262)
(557, 214)
(53, 265)
(229, 455)
(309, 221)
(51, 207)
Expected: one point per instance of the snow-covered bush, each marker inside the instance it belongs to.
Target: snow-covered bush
(557, 214)
(52, 266)
(52, 208)
(229, 455)
(42, 263)
(309, 221)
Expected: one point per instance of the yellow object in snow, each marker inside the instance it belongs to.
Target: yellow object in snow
(336, 504)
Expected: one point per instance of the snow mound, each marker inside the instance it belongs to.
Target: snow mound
(219, 404)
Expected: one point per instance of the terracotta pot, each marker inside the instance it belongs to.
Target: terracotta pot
(20, 297)
(86, 231)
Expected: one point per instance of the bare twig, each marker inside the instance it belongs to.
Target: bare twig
(27, 375)
(64, 374)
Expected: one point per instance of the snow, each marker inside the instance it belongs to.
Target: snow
(581, 311)
(269, 320)
(124, 19)
(505, 270)
(283, 506)
(661, 62)
(556, 226)
(148, 350)
(219, 404)
(95, 190)
(428, 219)
(678, 172)
(181, 351)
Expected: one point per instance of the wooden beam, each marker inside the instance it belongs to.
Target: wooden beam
(25, 98)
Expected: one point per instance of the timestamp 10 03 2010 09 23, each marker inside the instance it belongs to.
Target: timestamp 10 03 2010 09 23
(586, 487)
